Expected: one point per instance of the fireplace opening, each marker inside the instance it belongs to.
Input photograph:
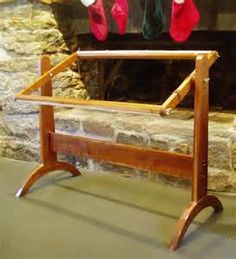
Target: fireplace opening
(152, 81)
(146, 80)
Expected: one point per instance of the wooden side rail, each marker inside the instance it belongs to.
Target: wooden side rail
(98, 104)
(192, 167)
(177, 96)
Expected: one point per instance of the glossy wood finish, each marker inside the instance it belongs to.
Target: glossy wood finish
(200, 199)
(193, 167)
(141, 54)
(178, 95)
(169, 163)
(200, 144)
(43, 170)
(92, 104)
(46, 114)
(47, 126)
(189, 214)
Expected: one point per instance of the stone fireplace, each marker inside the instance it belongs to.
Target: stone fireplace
(30, 29)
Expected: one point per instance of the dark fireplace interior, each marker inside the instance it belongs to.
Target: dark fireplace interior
(153, 81)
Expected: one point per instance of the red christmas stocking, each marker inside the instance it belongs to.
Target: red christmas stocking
(97, 20)
(184, 18)
(119, 12)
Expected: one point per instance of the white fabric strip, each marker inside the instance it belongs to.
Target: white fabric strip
(87, 2)
(179, 1)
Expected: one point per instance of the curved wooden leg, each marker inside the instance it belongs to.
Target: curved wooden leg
(189, 214)
(43, 170)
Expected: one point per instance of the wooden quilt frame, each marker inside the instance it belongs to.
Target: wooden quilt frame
(186, 166)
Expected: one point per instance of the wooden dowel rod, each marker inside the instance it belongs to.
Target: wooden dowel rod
(44, 79)
(140, 54)
(110, 105)
(169, 163)
(178, 95)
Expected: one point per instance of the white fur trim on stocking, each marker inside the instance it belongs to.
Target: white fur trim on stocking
(87, 2)
(179, 1)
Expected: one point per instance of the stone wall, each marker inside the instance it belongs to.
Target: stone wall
(27, 31)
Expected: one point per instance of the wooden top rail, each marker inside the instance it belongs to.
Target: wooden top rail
(141, 54)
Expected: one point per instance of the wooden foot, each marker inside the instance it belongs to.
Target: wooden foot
(43, 170)
(189, 214)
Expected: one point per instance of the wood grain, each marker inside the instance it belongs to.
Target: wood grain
(164, 162)
(46, 118)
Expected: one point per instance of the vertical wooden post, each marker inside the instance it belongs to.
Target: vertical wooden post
(46, 126)
(200, 199)
(200, 147)
(46, 114)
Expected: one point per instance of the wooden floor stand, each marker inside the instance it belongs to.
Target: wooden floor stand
(184, 166)
(47, 124)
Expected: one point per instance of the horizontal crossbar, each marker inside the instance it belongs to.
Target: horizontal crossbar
(164, 162)
(89, 104)
(141, 54)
